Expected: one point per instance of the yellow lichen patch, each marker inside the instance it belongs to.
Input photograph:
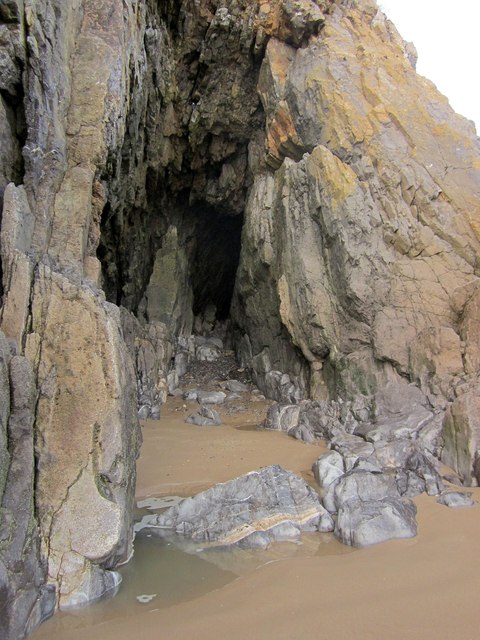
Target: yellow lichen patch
(269, 16)
(339, 179)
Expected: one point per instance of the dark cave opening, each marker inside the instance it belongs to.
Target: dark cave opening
(177, 264)
(214, 263)
(13, 106)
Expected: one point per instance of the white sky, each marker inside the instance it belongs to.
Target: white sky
(447, 37)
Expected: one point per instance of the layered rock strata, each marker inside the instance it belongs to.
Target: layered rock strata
(253, 510)
(359, 251)
(136, 139)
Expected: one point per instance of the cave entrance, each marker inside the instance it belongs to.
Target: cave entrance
(213, 266)
(193, 272)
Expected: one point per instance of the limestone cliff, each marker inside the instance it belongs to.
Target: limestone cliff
(136, 140)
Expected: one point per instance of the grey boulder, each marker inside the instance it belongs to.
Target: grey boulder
(211, 397)
(370, 509)
(235, 386)
(363, 523)
(328, 468)
(352, 448)
(282, 417)
(364, 486)
(417, 470)
(454, 499)
(208, 352)
(255, 509)
(204, 417)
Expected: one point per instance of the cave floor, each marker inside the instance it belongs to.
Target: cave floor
(182, 459)
(422, 588)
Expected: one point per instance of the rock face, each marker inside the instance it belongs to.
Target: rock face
(255, 509)
(352, 266)
(81, 401)
(275, 163)
(25, 600)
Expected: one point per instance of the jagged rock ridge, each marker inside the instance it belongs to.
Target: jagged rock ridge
(136, 140)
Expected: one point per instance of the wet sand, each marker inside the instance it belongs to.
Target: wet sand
(420, 589)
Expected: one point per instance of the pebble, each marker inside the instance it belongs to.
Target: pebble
(145, 599)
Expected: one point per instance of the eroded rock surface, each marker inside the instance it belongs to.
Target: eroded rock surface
(25, 598)
(455, 499)
(362, 523)
(72, 69)
(255, 509)
(354, 268)
(374, 466)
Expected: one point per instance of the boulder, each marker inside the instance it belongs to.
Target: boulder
(353, 448)
(363, 523)
(282, 417)
(409, 460)
(208, 352)
(211, 397)
(235, 386)
(255, 509)
(303, 433)
(363, 486)
(456, 499)
(326, 419)
(409, 484)
(328, 468)
(205, 417)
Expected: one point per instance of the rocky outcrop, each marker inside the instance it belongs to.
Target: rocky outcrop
(356, 276)
(374, 466)
(83, 406)
(88, 439)
(360, 241)
(151, 349)
(462, 437)
(135, 141)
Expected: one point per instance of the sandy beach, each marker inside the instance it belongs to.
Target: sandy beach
(419, 589)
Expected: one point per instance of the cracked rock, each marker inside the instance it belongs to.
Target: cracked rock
(205, 417)
(255, 509)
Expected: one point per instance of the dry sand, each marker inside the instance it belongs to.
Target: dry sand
(421, 589)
